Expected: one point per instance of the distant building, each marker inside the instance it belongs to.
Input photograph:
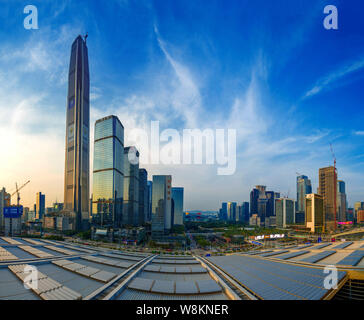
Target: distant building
(254, 196)
(358, 206)
(360, 218)
(50, 222)
(224, 211)
(244, 212)
(131, 187)
(314, 215)
(231, 210)
(4, 202)
(108, 173)
(350, 215)
(40, 205)
(341, 201)
(143, 197)
(303, 187)
(254, 220)
(285, 212)
(327, 187)
(150, 189)
(177, 198)
(161, 205)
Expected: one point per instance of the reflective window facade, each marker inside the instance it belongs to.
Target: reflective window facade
(108, 175)
(177, 196)
(76, 185)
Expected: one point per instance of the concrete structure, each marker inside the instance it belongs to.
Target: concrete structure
(360, 217)
(327, 189)
(254, 220)
(314, 216)
(76, 177)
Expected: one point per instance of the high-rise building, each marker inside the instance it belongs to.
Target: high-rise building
(131, 186)
(360, 217)
(254, 196)
(143, 196)
(244, 212)
(161, 205)
(285, 212)
(341, 201)
(224, 211)
(314, 215)
(358, 206)
(177, 197)
(108, 173)
(327, 189)
(76, 177)
(232, 211)
(4, 202)
(303, 187)
(150, 189)
(40, 206)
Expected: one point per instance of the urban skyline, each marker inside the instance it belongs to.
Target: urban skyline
(267, 154)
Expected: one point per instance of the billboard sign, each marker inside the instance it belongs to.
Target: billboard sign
(13, 212)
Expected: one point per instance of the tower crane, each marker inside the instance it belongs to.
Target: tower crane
(335, 183)
(17, 191)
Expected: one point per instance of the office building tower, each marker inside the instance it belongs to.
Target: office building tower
(360, 217)
(150, 189)
(131, 187)
(303, 187)
(245, 212)
(285, 212)
(341, 201)
(350, 215)
(177, 197)
(76, 178)
(224, 211)
(358, 206)
(4, 202)
(161, 205)
(314, 215)
(327, 189)
(231, 211)
(40, 206)
(108, 173)
(143, 197)
(271, 196)
(254, 196)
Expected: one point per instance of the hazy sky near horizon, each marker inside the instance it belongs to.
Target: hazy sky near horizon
(268, 69)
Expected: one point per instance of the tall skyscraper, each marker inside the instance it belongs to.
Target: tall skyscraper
(341, 201)
(314, 215)
(285, 212)
(303, 187)
(108, 173)
(150, 189)
(244, 212)
(232, 211)
(131, 187)
(40, 205)
(358, 206)
(224, 211)
(143, 196)
(254, 196)
(161, 205)
(177, 197)
(76, 178)
(327, 189)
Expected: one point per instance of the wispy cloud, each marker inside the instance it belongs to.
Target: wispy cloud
(359, 133)
(328, 81)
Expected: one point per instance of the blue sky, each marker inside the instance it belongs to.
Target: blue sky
(266, 68)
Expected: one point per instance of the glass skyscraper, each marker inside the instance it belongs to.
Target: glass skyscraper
(40, 205)
(108, 173)
(76, 180)
(131, 187)
(143, 196)
(177, 196)
(303, 187)
(161, 205)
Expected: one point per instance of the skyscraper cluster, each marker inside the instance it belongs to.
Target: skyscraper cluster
(318, 212)
(121, 193)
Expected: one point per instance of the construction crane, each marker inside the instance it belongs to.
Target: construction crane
(335, 183)
(17, 191)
